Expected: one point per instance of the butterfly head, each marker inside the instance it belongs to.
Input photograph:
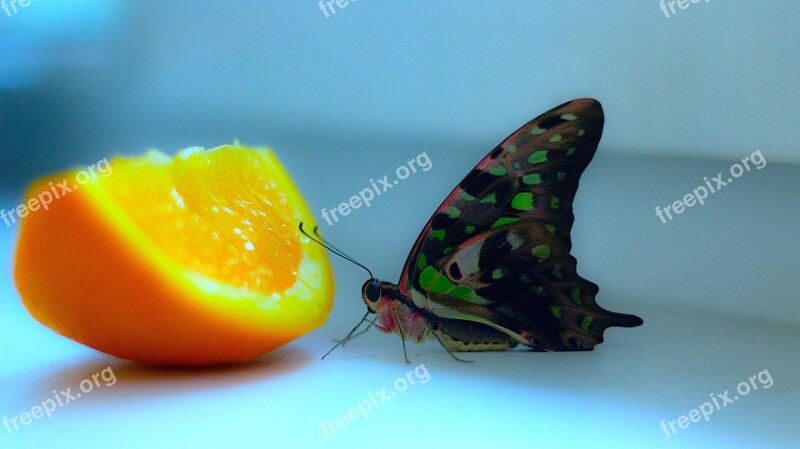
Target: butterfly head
(371, 292)
(374, 290)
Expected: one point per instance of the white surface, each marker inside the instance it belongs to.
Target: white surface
(614, 397)
(691, 345)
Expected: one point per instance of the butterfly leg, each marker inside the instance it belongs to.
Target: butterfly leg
(402, 336)
(448, 349)
(381, 328)
(348, 336)
(360, 333)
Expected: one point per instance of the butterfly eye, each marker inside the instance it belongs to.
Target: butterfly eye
(372, 291)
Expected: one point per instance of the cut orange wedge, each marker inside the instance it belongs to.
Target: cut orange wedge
(188, 260)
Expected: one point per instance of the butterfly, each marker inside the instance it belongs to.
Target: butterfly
(492, 268)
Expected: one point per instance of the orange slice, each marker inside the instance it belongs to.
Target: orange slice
(188, 260)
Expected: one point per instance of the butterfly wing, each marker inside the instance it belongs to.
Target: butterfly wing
(497, 250)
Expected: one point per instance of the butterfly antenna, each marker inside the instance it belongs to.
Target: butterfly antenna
(315, 231)
(322, 242)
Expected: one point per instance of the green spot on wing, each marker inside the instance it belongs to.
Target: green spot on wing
(502, 221)
(570, 151)
(432, 280)
(422, 262)
(541, 252)
(561, 175)
(551, 228)
(469, 229)
(438, 234)
(452, 212)
(536, 131)
(435, 282)
(467, 196)
(497, 171)
(522, 201)
(585, 322)
(511, 148)
(569, 117)
(441, 284)
(490, 198)
(498, 273)
(426, 277)
(554, 202)
(468, 294)
(556, 311)
(538, 157)
(554, 139)
(581, 132)
(461, 291)
(532, 179)
(447, 250)
(576, 295)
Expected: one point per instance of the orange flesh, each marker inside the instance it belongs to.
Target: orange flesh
(185, 208)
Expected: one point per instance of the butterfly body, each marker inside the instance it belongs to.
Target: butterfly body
(492, 267)
(397, 313)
